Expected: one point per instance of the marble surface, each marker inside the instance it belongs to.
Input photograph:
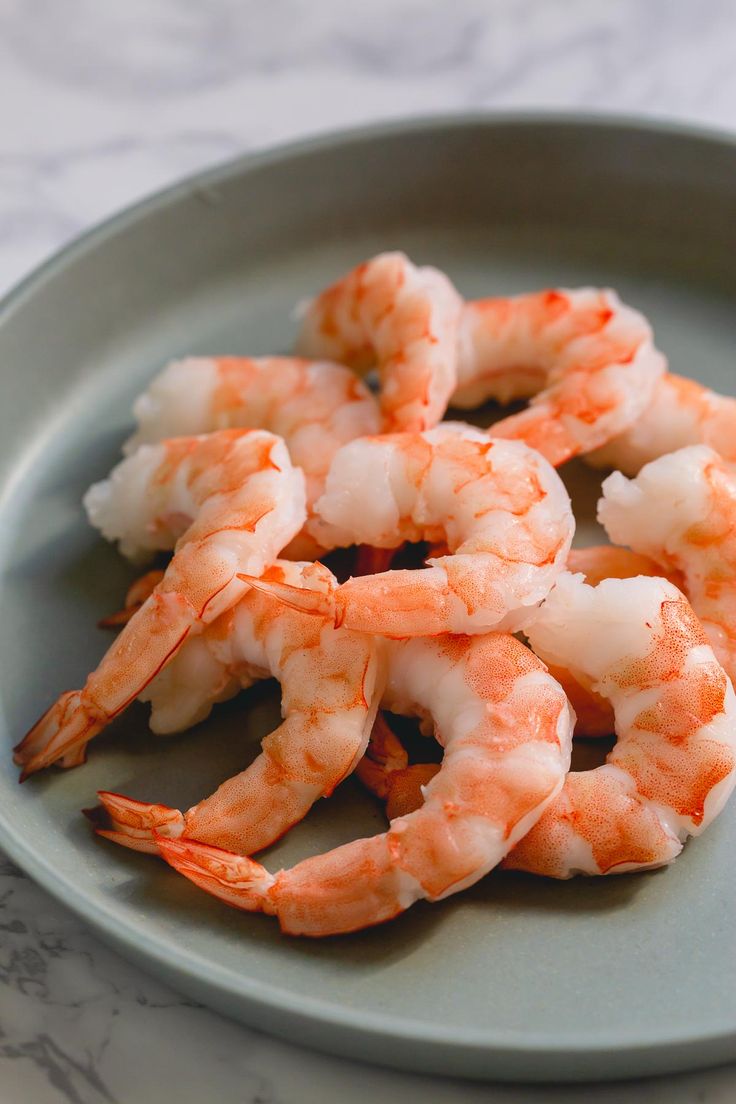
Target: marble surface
(101, 102)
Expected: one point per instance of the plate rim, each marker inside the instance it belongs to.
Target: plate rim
(100, 916)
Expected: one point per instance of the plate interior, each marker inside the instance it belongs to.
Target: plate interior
(591, 962)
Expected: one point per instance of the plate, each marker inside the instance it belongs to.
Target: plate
(519, 978)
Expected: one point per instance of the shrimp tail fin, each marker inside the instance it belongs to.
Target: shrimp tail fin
(384, 755)
(59, 735)
(316, 602)
(235, 879)
(385, 772)
(132, 823)
(139, 590)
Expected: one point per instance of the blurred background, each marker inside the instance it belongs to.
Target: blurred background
(102, 102)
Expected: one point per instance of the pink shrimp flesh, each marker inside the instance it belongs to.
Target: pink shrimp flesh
(594, 714)
(681, 412)
(316, 406)
(505, 726)
(229, 501)
(498, 505)
(681, 511)
(587, 360)
(641, 646)
(400, 318)
(331, 681)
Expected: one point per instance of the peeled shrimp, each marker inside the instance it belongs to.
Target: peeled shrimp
(608, 561)
(315, 406)
(680, 413)
(386, 772)
(587, 359)
(400, 318)
(505, 726)
(638, 643)
(641, 646)
(228, 502)
(499, 506)
(330, 686)
(594, 715)
(681, 510)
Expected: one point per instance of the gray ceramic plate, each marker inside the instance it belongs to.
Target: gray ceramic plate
(518, 978)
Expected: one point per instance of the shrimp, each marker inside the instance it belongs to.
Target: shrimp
(400, 318)
(681, 412)
(505, 726)
(315, 406)
(681, 510)
(673, 766)
(385, 771)
(501, 508)
(138, 591)
(594, 713)
(608, 561)
(229, 502)
(587, 360)
(331, 681)
(672, 769)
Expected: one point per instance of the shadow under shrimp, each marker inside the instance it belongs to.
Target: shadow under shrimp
(512, 891)
(177, 769)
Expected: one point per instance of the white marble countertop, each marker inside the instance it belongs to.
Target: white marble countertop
(102, 102)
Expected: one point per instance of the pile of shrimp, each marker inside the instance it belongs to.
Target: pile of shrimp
(244, 474)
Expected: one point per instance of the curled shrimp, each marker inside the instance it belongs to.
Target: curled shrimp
(672, 768)
(316, 406)
(680, 413)
(330, 686)
(505, 726)
(400, 318)
(594, 715)
(501, 509)
(681, 511)
(229, 502)
(587, 360)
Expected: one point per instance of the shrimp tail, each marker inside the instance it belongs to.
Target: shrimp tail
(385, 772)
(133, 823)
(60, 734)
(74, 758)
(235, 879)
(384, 755)
(316, 602)
(139, 590)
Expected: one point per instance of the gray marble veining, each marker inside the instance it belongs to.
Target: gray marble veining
(101, 103)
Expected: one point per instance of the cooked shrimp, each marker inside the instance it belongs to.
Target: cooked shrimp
(680, 413)
(330, 685)
(386, 772)
(138, 591)
(587, 359)
(641, 646)
(608, 561)
(681, 510)
(672, 768)
(594, 713)
(502, 510)
(315, 406)
(385, 769)
(400, 318)
(229, 502)
(505, 727)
